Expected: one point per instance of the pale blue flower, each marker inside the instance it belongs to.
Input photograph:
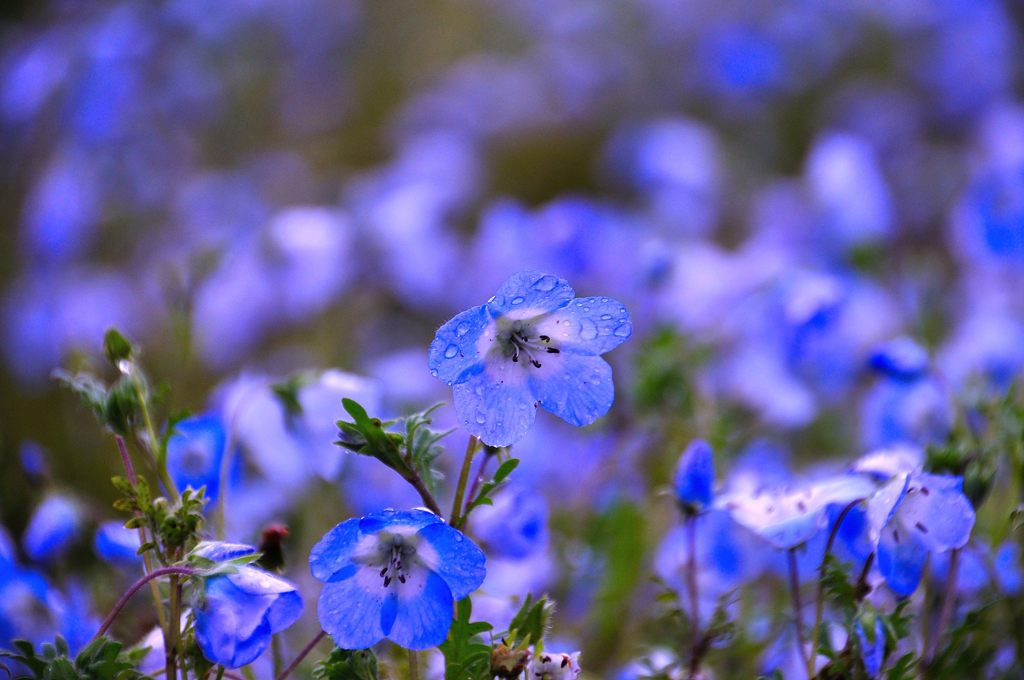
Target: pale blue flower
(531, 345)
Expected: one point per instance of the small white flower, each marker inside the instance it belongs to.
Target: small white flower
(555, 667)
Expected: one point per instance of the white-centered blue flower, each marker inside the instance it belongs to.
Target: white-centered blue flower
(533, 344)
(393, 574)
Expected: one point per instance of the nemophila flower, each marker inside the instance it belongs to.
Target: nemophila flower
(912, 516)
(194, 453)
(240, 610)
(695, 476)
(515, 526)
(546, 666)
(531, 345)
(788, 517)
(52, 529)
(393, 574)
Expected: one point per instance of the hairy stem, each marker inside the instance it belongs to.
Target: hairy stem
(134, 588)
(302, 655)
(428, 498)
(478, 480)
(159, 451)
(456, 518)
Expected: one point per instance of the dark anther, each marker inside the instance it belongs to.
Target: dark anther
(924, 490)
(553, 350)
(896, 535)
(383, 571)
(922, 528)
(801, 506)
(565, 661)
(535, 363)
(401, 577)
(545, 338)
(387, 581)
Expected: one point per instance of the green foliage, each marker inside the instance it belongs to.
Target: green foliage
(411, 454)
(344, 664)
(176, 526)
(484, 495)
(466, 657)
(421, 446)
(116, 407)
(101, 659)
(116, 347)
(664, 373)
(971, 645)
(531, 623)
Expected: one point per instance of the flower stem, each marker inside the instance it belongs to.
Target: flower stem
(302, 655)
(693, 594)
(948, 604)
(424, 492)
(147, 561)
(456, 518)
(134, 588)
(275, 651)
(159, 451)
(794, 591)
(819, 597)
(173, 631)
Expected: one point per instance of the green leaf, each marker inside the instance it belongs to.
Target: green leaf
(465, 656)
(344, 664)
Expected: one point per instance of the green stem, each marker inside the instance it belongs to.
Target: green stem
(173, 635)
(694, 595)
(159, 451)
(275, 650)
(467, 461)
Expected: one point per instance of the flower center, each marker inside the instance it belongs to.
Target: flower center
(396, 558)
(521, 341)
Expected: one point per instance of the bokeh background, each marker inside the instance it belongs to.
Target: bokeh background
(253, 189)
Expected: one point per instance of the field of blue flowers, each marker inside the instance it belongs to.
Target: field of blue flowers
(539, 339)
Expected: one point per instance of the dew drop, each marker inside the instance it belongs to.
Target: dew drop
(461, 329)
(588, 329)
(450, 352)
(545, 283)
(518, 300)
(624, 330)
(433, 372)
(606, 317)
(480, 419)
(492, 299)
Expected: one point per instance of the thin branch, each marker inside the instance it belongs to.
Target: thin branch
(135, 587)
(460, 489)
(302, 655)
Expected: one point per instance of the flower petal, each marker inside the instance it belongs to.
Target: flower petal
(901, 559)
(591, 325)
(497, 404)
(937, 510)
(575, 387)
(453, 353)
(219, 551)
(695, 474)
(231, 627)
(258, 582)
(424, 611)
(350, 610)
(453, 557)
(397, 521)
(285, 610)
(334, 551)
(530, 290)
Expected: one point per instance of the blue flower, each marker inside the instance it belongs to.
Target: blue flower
(914, 515)
(695, 476)
(241, 610)
(515, 526)
(115, 543)
(52, 529)
(872, 652)
(788, 517)
(195, 452)
(393, 574)
(531, 345)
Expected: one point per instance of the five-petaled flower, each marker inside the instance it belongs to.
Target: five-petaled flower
(393, 574)
(241, 609)
(531, 345)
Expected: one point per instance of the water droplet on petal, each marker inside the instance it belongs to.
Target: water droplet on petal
(546, 283)
(451, 351)
(624, 330)
(491, 299)
(480, 419)
(518, 300)
(588, 329)
(433, 372)
(606, 317)
(461, 329)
